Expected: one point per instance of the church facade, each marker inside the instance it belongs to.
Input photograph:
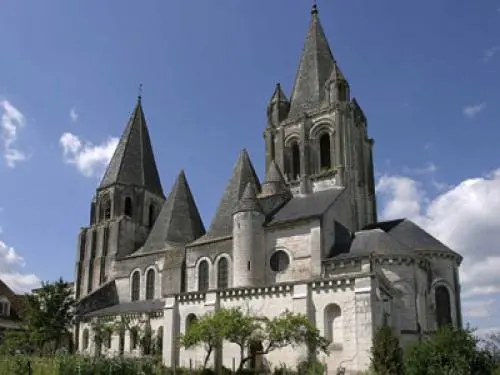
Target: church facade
(305, 239)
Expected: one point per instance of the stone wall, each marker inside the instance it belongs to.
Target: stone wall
(340, 308)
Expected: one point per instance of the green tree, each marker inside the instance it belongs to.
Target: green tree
(451, 351)
(287, 329)
(17, 340)
(241, 330)
(386, 353)
(209, 331)
(47, 317)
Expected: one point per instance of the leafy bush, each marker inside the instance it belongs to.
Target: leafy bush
(387, 355)
(311, 367)
(449, 351)
(75, 365)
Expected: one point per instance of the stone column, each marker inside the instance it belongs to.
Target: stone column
(364, 322)
(211, 306)
(170, 332)
(301, 305)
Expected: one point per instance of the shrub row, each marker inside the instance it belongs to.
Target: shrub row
(78, 365)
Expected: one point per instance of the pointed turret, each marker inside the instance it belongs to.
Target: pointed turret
(275, 182)
(249, 245)
(243, 173)
(133, 162)
(315, 66)
(278, 107)
(179, 221)
(337, 87)
(248, 201)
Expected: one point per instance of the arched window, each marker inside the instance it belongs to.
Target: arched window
(136, 286)
(190, 320)
(134, 337)
(295, 155)
(105, 208)
(222, 273)
(150, 284)
(159, 340)
(85, 339)
(333, 324)
(443, 306)
(325, 152)
(108, 335)
(151, 215)
(203, 276)
(128, 207)
(121, 341)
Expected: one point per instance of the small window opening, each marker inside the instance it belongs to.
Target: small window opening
(128, 206)
(295, 161)
(325, 152)
(151, 215)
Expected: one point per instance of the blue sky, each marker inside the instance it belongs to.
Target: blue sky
(426, 74)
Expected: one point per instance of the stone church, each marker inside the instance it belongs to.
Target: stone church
(305, 238)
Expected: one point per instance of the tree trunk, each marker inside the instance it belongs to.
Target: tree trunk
(207, 357)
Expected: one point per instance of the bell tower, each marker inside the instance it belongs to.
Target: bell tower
(319, 136)
(123, 209)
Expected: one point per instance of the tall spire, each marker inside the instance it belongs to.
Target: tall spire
(133, 162)
(314, 69)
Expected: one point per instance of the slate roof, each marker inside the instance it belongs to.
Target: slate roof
(314, 69)
(133, 162)
(179, 221)
(222, 223)
(275, 182)
(144, 306)
(274, 174)
(248, 201)
(376, 241)
(306, 206)
(410, 234)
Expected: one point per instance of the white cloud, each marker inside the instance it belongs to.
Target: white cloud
(464, 217)
(428, 169)
(11, 121)
(478, 308)
(490, 53)
(472, 110)
(11, 265)
(73, 115)
(90, 160)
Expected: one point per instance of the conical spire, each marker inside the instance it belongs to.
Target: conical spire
(274, 174)
(278, 95)
(275, 182)
(179, 221)
(243, 173)
(248, 201)
(278, 107)
(314, 69)
(133, 162)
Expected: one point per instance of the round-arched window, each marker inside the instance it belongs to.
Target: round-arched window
(279, 261)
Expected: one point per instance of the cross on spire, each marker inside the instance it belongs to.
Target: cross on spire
(314, 7)
(139, 92)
